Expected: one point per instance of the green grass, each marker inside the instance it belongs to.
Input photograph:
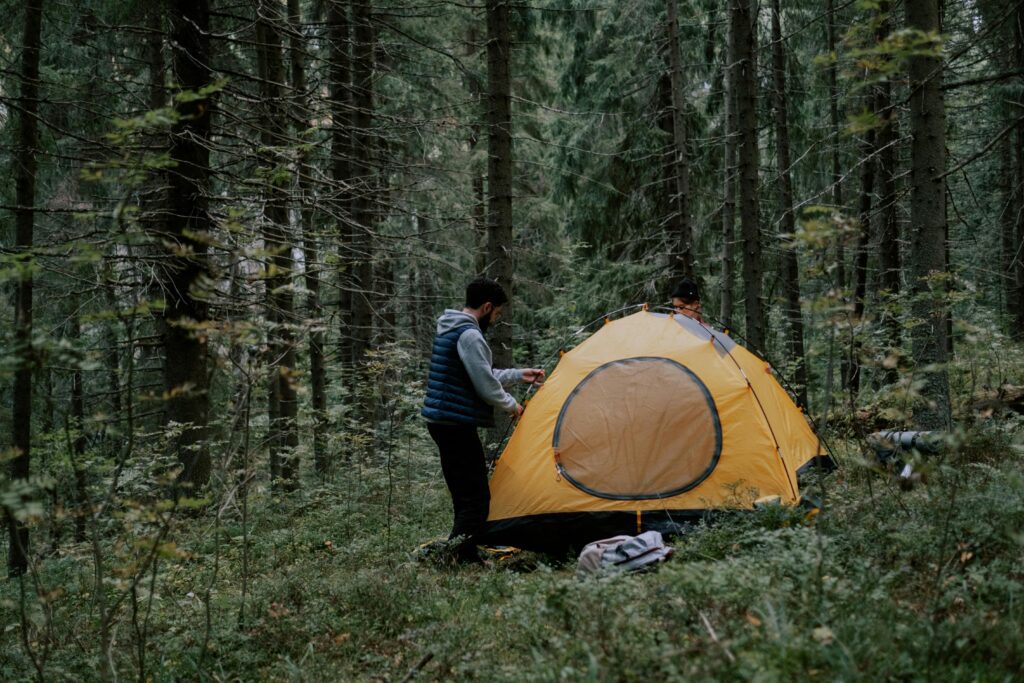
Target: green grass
(883, 584)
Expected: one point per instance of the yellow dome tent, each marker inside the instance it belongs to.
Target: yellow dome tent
(652, 421)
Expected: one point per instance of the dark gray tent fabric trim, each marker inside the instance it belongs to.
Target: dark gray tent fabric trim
(725, 343)
(642, 496)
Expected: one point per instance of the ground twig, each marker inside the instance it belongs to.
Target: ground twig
(419, 665)
(714, 637)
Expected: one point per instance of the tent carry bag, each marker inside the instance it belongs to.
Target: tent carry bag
(623, 553)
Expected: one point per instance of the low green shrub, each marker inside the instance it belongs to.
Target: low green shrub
(881, 583)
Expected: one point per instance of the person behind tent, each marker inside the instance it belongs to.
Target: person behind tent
(463, 390)
(686, 299)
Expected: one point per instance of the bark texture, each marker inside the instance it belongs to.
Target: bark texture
(728, 179)
(283, 432)
(311, 251)
(1018, 205)
(363, 154)
(889, 261)
(833, 114)
(852, 366)
(499, 169)
(186, 273)
(24, 227)
(340, 76)
(928, 219)
(790, 265)
(745, 62)
(682, 227)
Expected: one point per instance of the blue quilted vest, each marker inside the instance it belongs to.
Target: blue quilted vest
(450, 393)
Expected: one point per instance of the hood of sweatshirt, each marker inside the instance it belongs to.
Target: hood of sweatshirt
(451, 319)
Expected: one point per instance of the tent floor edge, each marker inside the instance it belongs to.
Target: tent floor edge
(566, 532)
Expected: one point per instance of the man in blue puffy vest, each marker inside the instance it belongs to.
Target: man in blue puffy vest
(463, 389)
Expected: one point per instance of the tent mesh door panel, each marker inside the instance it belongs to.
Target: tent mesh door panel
(638, 428)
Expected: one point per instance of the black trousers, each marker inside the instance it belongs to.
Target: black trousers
(465, 473)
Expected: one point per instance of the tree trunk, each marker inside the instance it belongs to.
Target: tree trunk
(1008, 222)
(186, 269)
(283, 437)
(666, 200)
(111, 355)
(384, 305)
(480, 220)
(427, 295)
(78, 446)
(851, 373)
(928, 218)
(833, 113)
(1018, 39)
(744, 61)
(387, 313)
(311, 254)
(48, 426)
(790, 265)
(888, 234)
(728, 178)
(154, 201)
(24, 226)
(682, 256)
(479, 197)
(155, 55)
(341, 167)
(363, 179)
(499, 168)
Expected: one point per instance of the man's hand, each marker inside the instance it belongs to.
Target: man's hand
(519, 410)
(533, 376)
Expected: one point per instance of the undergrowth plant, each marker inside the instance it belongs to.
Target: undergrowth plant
(882, 582)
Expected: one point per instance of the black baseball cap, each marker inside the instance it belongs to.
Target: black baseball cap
(686, 290)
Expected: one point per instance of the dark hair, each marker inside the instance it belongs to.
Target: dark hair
(686, 290)
(482, 290)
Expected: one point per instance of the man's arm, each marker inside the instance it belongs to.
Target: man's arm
(476, 357)
(517, 375)
(508, 377)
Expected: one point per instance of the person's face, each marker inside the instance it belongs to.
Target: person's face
(691, 309)
(491, 313)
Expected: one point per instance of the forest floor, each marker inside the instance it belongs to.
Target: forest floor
(883, 583)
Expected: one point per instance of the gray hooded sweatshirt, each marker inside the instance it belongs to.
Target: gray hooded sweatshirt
(475, 354)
